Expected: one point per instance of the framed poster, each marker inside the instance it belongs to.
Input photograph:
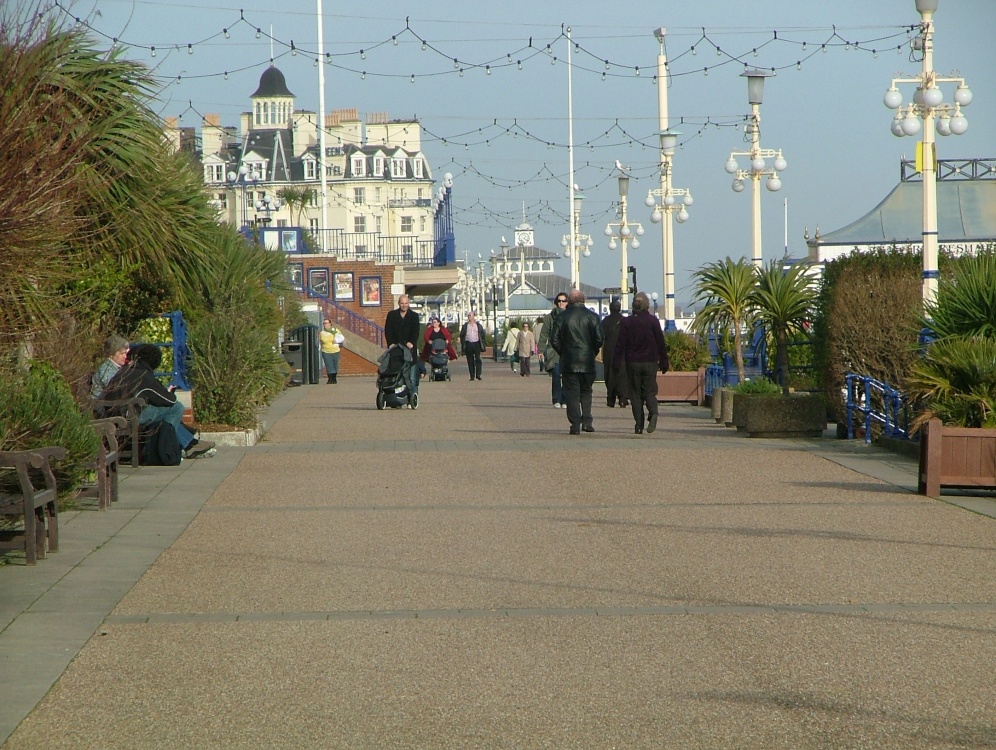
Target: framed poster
(318, 282)
(288, 240)
(295, 274)
(342, 283)
(370, 291)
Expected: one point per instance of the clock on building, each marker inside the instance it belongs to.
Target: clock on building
(524, 237)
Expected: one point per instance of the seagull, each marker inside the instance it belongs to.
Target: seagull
(619, 166)
(504, 241)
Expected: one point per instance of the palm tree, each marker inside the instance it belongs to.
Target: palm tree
(725, 288)
(783, 301)
(956, 379)
(966, 301)
(296, 199)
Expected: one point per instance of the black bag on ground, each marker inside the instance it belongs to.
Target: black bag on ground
(159, 446)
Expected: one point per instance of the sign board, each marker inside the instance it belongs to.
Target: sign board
(612, 290)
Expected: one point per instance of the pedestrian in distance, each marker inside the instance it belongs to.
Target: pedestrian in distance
(641, 349)
(510, 347)
(330, 340)
(550, 357)
(472, 341)
(577, 337)
(525, 347)
(615, 382)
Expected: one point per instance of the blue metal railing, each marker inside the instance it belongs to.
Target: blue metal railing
(878, 403)
(343, 316)
(723, 375)
(178, 376)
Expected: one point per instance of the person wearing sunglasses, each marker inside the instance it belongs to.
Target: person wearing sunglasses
(577, 337)
(551, 359)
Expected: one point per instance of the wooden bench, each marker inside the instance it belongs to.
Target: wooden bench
(105, 463)
(129, 436)
(39, 507)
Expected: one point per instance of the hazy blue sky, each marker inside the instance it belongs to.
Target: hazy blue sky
(827, 116)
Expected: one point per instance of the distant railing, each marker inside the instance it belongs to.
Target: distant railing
(343, 316)
(373, 246)
(877, 403)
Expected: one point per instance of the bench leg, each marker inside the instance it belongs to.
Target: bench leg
(52, 511)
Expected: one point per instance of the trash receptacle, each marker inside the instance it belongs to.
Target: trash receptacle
(311, 360)
(291, 351)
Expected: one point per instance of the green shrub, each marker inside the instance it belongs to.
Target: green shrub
(956, 382)
(760, 386)
(685, 352)
(235, 368)
(37, 410)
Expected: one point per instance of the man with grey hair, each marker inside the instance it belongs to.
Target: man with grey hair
(641, 348)
(577, 337)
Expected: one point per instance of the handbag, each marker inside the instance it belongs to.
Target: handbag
(339, 339)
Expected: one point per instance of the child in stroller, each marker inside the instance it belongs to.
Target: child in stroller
(395, 371)
(439, 360)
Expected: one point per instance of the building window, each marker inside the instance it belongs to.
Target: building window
(378, 166)
(407, 224)
(377, 193)
(378, 224)
(214, 172)
(310, 169)
(359, 223)
(313, 225)
(406, 253)
(418, 169)
(223, 200)
(359, 196)
(421, 224)
(397, 168)
(359, 164)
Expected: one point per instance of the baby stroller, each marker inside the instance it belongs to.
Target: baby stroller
(439, 361)
(392, 379)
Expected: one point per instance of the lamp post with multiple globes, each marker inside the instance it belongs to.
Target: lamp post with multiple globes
(623, 231)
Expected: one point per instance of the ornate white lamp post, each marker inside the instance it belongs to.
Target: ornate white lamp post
(757, 155)
(269, 205)
(927, 106)
(581, 242)
(239, 182)
(623, 230)
(674, 203)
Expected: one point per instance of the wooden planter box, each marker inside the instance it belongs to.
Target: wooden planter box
(684, 386)
(778, 416)
(956, 457)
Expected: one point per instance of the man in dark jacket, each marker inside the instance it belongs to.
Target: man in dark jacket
(577, 337)
(642, 350)
(551, 360)
(402, 328)
(137, 379)
(615, 382)
(472, 342)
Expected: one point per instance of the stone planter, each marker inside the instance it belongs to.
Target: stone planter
(682, 386)
(716, 405)
(238, 438)
(726, 407)
(956, 457)
(780, 416)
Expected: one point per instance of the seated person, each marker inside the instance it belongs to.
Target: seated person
(138, 379)
(436, 330)
(116, 351)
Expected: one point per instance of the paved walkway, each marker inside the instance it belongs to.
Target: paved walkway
(468, 575)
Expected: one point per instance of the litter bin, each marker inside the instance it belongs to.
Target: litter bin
(311, 361)
(291, 351)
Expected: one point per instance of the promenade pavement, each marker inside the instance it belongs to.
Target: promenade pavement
(468, 575)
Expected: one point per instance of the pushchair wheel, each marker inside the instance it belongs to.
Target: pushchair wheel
(380, 401)
(413, 401)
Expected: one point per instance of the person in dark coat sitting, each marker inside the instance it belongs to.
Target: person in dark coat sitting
(401, 328)
(642, 350)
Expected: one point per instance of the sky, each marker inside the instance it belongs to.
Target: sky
(489, 84)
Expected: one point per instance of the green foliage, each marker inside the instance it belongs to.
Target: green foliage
(866, 319)
(759, 386)
(235, 368)
(966, 298)
(956, 382)
(38, 410)
(685, 352)
(725, 288)
(783, 302)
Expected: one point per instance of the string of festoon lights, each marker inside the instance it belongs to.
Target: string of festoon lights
(519, 57)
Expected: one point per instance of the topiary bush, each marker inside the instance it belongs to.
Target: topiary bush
(686, 352)
(37, 409)
(758, 386)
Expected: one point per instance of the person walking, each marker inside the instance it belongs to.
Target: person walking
(577, 337)
(615, 383)
(550, 357)
(510, 347)
(524, 348)
(329, 339)
(401, 328)
(537, 332)
(642, 350)
(472, 340)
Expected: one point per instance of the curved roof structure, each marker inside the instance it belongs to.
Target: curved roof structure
(272, 83)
